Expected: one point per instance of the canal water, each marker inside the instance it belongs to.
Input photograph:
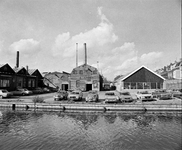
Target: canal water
(29, 130)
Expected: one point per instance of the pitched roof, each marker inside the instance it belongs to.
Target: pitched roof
(31, 71)
(17, 69)
(131, 73)
(1, 65)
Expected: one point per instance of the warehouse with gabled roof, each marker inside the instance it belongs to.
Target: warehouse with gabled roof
(141, 78)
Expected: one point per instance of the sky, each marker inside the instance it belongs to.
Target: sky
(120, 35)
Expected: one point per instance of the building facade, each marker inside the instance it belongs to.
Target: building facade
(85, 77)
(59, 80)
(13, 78)
(140, 79)
(7, 77)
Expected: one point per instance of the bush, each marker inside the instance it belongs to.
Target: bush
(38, 99)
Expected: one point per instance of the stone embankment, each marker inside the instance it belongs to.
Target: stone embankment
(90, 107)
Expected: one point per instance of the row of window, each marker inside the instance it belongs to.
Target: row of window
(142, 85)
(81, 71)
(20, 83)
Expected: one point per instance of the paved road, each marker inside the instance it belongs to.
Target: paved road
(48, 98)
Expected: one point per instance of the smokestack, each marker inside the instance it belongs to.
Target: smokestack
(76, 54)
(27, 68)
(85, 53)
(17, 59)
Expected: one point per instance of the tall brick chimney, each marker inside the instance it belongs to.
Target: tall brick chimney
(17, 59)
(85, 53)
(76, 54)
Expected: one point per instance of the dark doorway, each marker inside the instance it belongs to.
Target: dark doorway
(65, 87)
(88, 87)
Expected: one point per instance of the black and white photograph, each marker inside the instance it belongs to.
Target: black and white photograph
(90, 75)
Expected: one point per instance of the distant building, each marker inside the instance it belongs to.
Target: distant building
(56, 79)
(141, 78)
(173, 75)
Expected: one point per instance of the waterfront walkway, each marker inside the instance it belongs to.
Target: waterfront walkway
(25, 103)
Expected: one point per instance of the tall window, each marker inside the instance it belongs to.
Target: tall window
(4, 83)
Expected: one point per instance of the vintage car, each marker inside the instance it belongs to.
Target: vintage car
(92, 96)
(38, 90)
(4, 93)
(112, 96)
(75, 95)
(176, 93)
(162, 94)
(144, 95)
(126, 97)
(60, 95)
(22, 91)
(46, 90)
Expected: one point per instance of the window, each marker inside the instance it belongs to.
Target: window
(127, 85)
(4, 83)
(133, 85)
(95, 72)
(74, 72)
(81, 72)
(139, 85)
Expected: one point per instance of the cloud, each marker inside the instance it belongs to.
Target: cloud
(1, 45)
(25, 46)
(124, 59)
(102, 34)
(151, 58)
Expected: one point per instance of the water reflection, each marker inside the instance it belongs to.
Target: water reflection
(90, 130)
(84, 118)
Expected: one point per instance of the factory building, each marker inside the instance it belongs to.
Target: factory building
(19, 77)
(85, 77)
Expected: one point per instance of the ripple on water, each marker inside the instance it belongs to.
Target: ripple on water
(27, 130)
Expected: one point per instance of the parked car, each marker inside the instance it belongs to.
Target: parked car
(176, 93)
(60, 95)
(126, 97)
(144, 95)
(37, 90)
(112, 96)
(162, 94)
(46, 90)
(92, 96)
(22, 91)
(4, 93)
(75, 95)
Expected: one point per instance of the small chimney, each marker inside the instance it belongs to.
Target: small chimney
(85, 53)
(27, 68)
(17, 59)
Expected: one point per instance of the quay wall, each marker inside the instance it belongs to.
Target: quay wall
(90, 107)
